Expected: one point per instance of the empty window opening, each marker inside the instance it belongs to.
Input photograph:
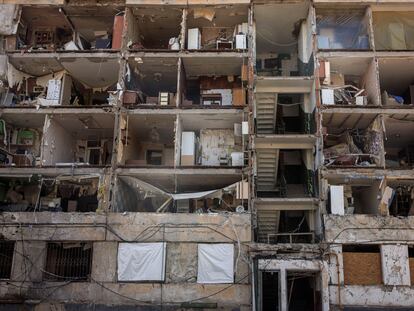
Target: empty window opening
(283, 53)
(68, 261)
(411, 262)
(353, 141)
(269, 291)
(20, 139)
(154, 28)
(62, 82)
(148, 140)
(217, 28)
(402, 194)
(71, 28)
(304, 291)
(6, 259)
(342, 29)
(283, 226)
(396, 92)
(83, 139)
(346, 81)
(399, 144)
(362, 264)
(285, 173)
(151, 82)
(212, 141)
(393, 31)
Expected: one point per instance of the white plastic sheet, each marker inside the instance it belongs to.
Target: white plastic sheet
(215, 263)
(141, 261)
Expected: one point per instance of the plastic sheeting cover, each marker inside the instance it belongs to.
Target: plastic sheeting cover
(215, 263)
(344, 30)
(393, 30)
(141, 261)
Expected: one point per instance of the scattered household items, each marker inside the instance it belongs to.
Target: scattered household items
(174, 44)
(338, 88)
(135, 195)
(273, 64)
(392, 100)
(52, 194)
(355, 147)
(212, 147)
(343, 95)
(66, 30)
(18, 146)
(218, 38)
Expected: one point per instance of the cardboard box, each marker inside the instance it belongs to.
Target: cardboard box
(117, 32)
(239, 97)
(187, 160)
(11, 43)
(72, 206)
(129, 98)
(337, 79)
(244, 73)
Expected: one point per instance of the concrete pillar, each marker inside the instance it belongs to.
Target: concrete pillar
(283, 291)
(104, 261)
(28, 261)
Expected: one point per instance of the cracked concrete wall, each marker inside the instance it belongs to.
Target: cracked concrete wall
(106, 231)
(362, 228)
(395, 266)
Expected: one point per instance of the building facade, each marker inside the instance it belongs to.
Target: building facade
(232, 155)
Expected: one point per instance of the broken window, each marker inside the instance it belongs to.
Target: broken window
(148, 140)
(20, 139)
(151, 82)
(83, 139)
(135, 195)
(69, 28)
(211, 140)
(68, 261)
(393, 30)
(362, 264)
(285, 173)
(154, 28)
(346, 81)
(342, 29)
(288, 52)
(46, 193)
(396, 81)
(217, 28)
(304, 291)
(353, 140)
(6, 259)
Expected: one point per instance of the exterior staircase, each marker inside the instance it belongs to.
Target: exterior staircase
(266, 107)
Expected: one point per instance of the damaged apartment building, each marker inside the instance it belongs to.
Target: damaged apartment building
(230, 155)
